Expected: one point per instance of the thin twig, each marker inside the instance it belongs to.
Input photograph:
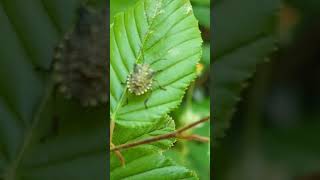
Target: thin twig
(195, 137)
(175, 134)
(118, 153)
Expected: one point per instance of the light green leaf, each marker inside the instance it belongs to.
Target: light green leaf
(192, 154)
(243, 36)
(164, 34)
(146, 161)
(168, 34)
(150, 165)
(165, 125)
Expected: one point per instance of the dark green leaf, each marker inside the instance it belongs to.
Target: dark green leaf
(243, 37)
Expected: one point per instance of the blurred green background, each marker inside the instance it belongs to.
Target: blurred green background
(275, 131)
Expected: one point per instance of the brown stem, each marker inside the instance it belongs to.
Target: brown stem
(175, 134)
(195, 137)
(118, 153)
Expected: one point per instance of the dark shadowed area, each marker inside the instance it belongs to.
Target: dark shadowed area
(274, 133)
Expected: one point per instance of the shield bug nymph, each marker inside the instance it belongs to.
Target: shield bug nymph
(141, 79)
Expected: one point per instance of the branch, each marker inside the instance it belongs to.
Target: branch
(118, 153)
(175, 134)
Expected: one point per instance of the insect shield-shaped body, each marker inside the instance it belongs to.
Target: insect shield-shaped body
(141, 79)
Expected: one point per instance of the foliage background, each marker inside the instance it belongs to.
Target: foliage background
(43, 136)
(274, 132)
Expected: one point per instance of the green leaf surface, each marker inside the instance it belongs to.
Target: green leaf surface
(120, 6)
(146, 161)
(243, 37)
(164, 34)
(165, 125)
(168, 34)
(201, 2)
(148, 164)
(206, 55)
(202, 13)
(29, 32)
(192, 154)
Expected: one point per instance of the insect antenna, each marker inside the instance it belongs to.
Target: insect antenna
(141, 51)
(160, 87)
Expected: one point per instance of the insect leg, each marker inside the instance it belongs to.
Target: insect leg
(141, 50)
(145, 103)
(159, 71)
(125, 82)
(127, 102)
(160, 87)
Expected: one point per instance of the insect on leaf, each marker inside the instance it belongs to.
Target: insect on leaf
(165, 35)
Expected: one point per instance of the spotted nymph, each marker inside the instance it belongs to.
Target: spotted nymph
(140, 80)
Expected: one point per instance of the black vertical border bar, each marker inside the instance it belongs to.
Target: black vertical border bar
(108, 89)
(212, 115)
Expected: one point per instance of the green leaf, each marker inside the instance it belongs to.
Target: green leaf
(146, 161)
(202, 13)
(148, 164)
(119, 6)
(31, 30)
(168, 34)
(165, 125)
(164, 34)
(192, 154)
(201, 2)
(206, 55)
(243, 36)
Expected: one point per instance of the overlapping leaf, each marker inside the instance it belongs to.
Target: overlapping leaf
(146, 161)
(148, 164)
(243, 38)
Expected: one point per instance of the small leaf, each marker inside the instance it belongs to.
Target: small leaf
(146, 162)
(165, 125)
(149, 165)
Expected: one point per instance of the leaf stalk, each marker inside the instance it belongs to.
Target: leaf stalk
(175, 134)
